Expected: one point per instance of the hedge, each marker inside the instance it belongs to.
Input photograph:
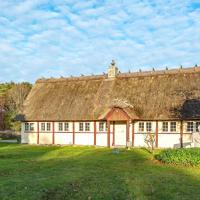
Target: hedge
(188, 157)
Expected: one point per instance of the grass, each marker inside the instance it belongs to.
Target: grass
(187, 157)
(54, 173)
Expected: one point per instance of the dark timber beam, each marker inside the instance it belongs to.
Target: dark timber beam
(108, 134)
(156, 134)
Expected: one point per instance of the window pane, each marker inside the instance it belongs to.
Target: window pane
(48, 126)
(173, 126)
(101, 126)
(31, 126)
(26, 126)
(43, 126)
(87, 126)
(165, 127)
(190, 126)
(80, 126)
(141, 126)
(60, 126)
(197, 126)
(66, 126)
(148, 126)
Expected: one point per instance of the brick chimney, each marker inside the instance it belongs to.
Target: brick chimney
(112, 70)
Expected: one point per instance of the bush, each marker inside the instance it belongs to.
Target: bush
(8, 135)
(180, 156)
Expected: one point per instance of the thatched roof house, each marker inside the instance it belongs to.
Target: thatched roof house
(151, 95)
(124, 106)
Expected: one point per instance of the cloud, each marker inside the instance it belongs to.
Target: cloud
(71, 37)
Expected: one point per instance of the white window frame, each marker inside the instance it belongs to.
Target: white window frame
(190, 127)
(26, 126)
(31, 127)
(173, 128)
(141, 126)
(66, 126)
(87, 126)
(149, 126)
(165, 127)
(197, 124)
(60, 126)
(43, 126)
(81, 126)
(48, 126)
(101, 126)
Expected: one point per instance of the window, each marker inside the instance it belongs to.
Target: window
(165, 126)
(87, 126)
(43, 126)
(141, 126)
(101, 126)
(66, 126)
(197, 126)
(148, 126)
(60, 126)
(173, 126)
(190, 127)
(81, 126)
(26, 126)
(48, 126)
(31, 126)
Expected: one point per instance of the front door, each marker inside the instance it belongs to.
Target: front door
(120, 134)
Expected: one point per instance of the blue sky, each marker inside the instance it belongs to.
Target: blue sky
(53, 38)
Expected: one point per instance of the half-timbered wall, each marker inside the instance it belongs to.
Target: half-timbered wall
(95, 136)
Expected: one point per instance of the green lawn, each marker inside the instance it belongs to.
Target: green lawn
(53, 173)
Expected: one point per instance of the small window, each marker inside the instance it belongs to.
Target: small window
(197, 126)
(26, 126)
(141, 126)
(60, 126)
(48, 126)
(43, 126)
(106, 126)
(165, 126)
(173, 126)
(31, 126)
(81, 126)
(190, 126)
(87, 126)
(101, 126)
(66, 126)
(148, 126)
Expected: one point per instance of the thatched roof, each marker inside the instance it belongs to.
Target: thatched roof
(163, 95)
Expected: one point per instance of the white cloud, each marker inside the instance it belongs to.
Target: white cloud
(71, 37)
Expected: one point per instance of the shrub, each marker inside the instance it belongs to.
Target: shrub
(180, 156)
(9, 135)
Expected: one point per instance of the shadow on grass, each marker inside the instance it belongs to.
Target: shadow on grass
(97, 173)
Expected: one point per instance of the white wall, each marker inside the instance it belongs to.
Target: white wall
(101, 139)
(84, 138)
(139, 140)
(45, 138)
(63, 138)
(87, 138)
(169, 140)
(29, 138)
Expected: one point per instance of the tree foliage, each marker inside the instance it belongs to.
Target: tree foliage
(12, 97)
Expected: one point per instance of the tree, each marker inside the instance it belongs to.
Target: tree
(15, 98)
(150, 141)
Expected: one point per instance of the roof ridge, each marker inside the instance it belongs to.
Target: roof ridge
(122, 75)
